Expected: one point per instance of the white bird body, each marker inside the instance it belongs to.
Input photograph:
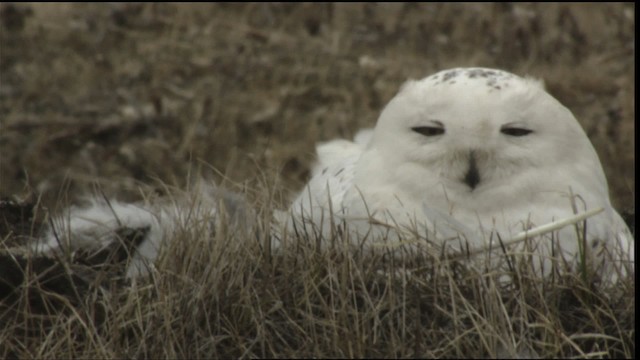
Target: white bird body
(470, 152)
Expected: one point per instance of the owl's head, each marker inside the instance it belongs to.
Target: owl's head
(473, 130)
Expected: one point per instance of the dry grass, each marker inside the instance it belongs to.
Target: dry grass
(126, 95)
(224, 295)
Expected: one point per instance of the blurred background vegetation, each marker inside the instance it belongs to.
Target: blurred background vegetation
(128, 94)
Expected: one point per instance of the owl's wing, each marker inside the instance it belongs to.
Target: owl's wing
(320, 203)
(94, 226)
(99, 224)
(625, 243)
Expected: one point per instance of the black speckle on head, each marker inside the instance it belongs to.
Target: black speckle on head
(449, 75)
(493, 83)
(482, 73)
(496, 80)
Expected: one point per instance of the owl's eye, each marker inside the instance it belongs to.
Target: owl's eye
(514, 131)
(428, 130)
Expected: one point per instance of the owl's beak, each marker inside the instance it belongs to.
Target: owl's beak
(472, 176)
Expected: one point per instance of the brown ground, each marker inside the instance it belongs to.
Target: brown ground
(126, 93)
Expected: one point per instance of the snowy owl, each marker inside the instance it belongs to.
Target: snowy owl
(465, 158)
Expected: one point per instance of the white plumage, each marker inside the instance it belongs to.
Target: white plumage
(465, 155)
